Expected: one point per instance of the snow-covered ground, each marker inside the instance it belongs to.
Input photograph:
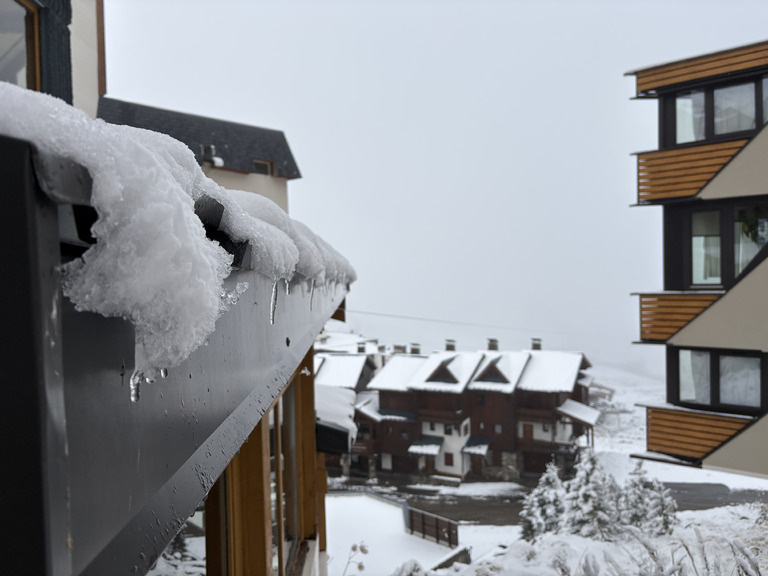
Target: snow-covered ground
(703, 542)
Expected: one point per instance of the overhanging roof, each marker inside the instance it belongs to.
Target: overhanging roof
(237, 144)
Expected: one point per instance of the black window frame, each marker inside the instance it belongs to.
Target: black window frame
(715, 405)
(668, 110)
(678, 229)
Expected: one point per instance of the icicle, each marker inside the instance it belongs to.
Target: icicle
(273, 305)
(311, 294)
(287, 287)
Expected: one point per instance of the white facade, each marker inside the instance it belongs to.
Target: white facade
(84, 41)
(453, 444)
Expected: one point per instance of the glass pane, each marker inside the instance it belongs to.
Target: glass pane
(740, 381)
(750, 232)
(689, 114)
(705, 247)
(13, 44)
(765, 99)
(694, 376)
(735, 108)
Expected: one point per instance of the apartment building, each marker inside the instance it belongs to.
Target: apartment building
(709, 178)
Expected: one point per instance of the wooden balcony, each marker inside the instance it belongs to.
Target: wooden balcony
(662, 315)
(689, 433)
(681, 172)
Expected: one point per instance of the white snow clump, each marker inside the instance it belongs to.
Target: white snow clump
(152, 263)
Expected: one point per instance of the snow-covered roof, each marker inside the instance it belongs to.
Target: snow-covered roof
(551, 371)
(397, 373)
(336, 406)
(446, 371)
(476, 445)
(340, 370)
(367, 404)
(580, 412)
(427, 446)
(497, 367)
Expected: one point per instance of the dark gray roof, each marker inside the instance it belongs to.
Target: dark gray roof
(237, 144)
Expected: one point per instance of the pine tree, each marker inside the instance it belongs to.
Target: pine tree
(543, 507)
(662, 510)
(633, 503)
(589, 508)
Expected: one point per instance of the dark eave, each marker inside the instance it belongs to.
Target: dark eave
(239, 145)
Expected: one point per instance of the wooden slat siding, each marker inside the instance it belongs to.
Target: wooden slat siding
(734, 60)
(681, 172)
(663, 315)
(689, 434)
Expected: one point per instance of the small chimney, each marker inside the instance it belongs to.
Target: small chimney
(399, 348)
(535, 343)
(415, 348)
(450, 345)
(493, 344)
(361, 347)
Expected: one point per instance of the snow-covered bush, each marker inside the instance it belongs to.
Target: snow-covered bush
(543, 508)
(594, 506)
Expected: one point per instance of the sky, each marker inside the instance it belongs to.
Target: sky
(471, 158)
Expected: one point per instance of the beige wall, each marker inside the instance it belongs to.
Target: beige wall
(85, 56)
(738, 320)
(276, 189)
(745, 175)
(746, 454)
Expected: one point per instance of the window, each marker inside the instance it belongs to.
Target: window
(740, 381)
(448, 459)
(480, 398)
(750, 232)
(694, 377)
(482, 425)
(18, 44)
(448, 429)
(545, 427)
(705, 247)
(431, 425)
(497, 428)
(734, 108)
(714, 247)
(714, 112)
(716, 378)
(689, 115)
(404, 434)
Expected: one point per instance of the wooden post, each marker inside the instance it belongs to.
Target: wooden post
(249, 506)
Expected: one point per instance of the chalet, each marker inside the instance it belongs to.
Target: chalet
(489, 413)
(105, 477)
(709, 177)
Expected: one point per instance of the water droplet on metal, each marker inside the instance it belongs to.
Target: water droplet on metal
(136, 379)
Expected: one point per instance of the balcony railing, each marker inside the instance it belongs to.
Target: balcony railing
(662, 315)
(689, 433)
(681, 172)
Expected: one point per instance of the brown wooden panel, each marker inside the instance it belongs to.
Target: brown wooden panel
(734, 60)
(689, 434)
(681, 172)
(663, 315)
